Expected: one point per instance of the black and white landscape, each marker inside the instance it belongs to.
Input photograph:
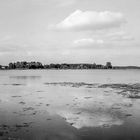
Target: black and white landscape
(69, 70)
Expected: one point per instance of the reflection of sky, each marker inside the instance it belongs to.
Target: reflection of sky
(81, 107)
(25, 77)
(93, 107)
(26, 80)
(88, 119)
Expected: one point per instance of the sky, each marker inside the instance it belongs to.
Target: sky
(70, 31)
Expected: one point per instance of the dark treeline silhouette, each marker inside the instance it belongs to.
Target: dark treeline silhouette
(25, 65)
(38, 65)
(78, 66)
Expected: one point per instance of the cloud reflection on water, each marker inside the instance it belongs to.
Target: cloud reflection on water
(25, 77)
(88, 119)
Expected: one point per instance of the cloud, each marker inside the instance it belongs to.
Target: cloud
(87, 41)
(120, 36)
(104, 39)
(7, 38)
(90, 20)
(11, 48)
(64, 3)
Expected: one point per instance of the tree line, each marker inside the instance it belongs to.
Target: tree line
(39, 65)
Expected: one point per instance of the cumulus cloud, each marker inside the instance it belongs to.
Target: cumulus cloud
(87, 41)
(90, 20)
(106, 39)
(120, 36)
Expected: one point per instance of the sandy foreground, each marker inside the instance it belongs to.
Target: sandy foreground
(69, 111)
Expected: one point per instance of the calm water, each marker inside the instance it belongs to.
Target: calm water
(32, 107)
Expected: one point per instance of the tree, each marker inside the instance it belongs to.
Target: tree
(108, 65)
(12, 66)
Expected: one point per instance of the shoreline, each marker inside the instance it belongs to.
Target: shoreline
(138, 68)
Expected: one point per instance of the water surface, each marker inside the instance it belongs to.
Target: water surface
(69, 105)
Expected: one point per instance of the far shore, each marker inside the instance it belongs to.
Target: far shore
(114, 68)
(23, 65)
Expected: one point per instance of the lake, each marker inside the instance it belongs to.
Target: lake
(70, 105)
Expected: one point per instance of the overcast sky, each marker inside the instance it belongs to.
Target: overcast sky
(71, 31)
